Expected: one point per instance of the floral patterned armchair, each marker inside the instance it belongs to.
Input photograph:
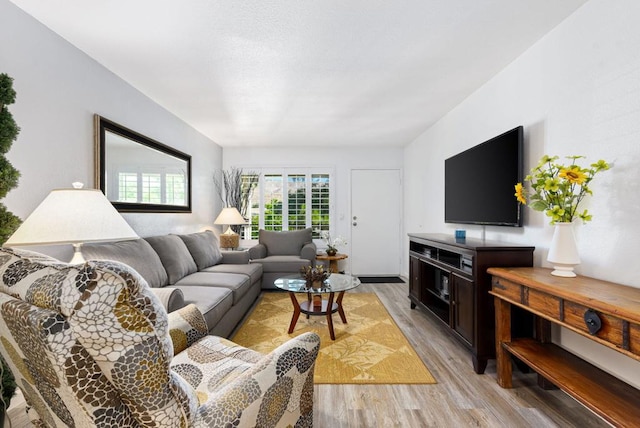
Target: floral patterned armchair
(91, 345)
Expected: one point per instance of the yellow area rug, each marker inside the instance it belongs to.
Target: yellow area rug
(369, 349)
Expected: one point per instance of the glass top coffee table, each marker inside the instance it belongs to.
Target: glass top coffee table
(315, 305)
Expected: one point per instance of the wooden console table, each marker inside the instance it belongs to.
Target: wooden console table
(602, 311)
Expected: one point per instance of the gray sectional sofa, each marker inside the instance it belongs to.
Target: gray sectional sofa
(191, 269)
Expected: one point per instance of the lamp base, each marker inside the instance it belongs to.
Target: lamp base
(77, 258)
(229, 240)
(562, 269)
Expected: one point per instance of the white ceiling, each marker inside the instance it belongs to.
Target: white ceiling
(304, 72)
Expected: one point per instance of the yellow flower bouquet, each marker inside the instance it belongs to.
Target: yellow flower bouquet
(558, 189)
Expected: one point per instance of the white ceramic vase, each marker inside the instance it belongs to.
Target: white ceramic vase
(563, 253)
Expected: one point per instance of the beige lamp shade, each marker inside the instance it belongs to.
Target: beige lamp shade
(72, 216)
(230, 216)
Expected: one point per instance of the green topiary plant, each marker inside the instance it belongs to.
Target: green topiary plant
(8, 174)
(8, 221)
(8, 385)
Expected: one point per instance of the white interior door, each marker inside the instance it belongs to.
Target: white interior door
(375, 222)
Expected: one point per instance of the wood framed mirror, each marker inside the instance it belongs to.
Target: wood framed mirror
(138, 174)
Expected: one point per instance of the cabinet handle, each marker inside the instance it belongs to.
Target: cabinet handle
(499, 286)
(592, 320)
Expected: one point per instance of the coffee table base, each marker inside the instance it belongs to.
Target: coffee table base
(328, 308)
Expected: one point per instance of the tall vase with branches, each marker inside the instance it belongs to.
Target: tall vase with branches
(235, 187)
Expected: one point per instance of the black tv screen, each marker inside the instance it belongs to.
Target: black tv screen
(478, 183)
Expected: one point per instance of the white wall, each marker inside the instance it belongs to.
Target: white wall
(577, 91)
(340, 160)
(59, 89)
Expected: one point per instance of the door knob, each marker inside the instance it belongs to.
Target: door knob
(354, 223)
(355, 218)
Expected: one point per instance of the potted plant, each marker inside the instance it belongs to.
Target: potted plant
(332, 244)
(315, 276)
(8, 221)
(7, 390)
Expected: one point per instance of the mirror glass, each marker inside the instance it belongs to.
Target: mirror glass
(138, 174)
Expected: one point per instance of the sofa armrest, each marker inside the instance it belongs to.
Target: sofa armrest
(186, 327)
(309, 252)
(235, 257)
(171, 298)
(286, 372)
(258, 251)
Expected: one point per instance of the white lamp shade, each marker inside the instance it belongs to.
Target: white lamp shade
(72, 216)
(230, 216)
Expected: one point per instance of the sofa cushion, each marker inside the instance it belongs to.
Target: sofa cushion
(282, 263)
(285, 243)
(175, 256)
(136, 253)
(254, 271)
(204, 248)
(239, 284)
(212, 302)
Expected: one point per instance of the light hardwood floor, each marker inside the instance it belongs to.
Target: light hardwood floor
(461, 398)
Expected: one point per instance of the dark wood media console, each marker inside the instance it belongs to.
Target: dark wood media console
(448, 278)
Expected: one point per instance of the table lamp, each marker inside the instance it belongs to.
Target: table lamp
(230, 216)
(72, 216)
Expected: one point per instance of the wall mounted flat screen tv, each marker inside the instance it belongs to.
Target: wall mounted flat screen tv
(478, 183)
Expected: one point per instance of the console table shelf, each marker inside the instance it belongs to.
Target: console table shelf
(613, 400)
(602, 311)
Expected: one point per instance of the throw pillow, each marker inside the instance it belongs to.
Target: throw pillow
(136, 253)
(175, 256)
(204, 248)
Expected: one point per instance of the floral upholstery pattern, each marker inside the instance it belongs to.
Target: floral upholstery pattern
(186, 326)
(91, 345)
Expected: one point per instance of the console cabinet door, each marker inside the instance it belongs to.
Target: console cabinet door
(463, 307)
(415, 277)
